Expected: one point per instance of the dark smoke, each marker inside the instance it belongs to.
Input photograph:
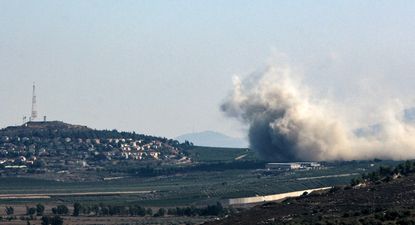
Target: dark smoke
(287, 124)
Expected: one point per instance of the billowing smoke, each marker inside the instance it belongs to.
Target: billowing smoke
(287, 122)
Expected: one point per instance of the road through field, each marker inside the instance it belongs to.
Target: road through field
(49, 195)
(329, 176)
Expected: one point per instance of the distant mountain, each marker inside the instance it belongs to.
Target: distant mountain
(213, 139)
(409, 115)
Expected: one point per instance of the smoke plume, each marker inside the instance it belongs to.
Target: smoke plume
(287, 122)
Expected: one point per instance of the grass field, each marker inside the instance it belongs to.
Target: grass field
(198, 188)
(210, 154)
(191, 188)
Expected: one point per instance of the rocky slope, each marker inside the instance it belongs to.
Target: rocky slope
(379, 202)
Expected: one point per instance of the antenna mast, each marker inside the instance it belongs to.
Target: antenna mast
(34, 112)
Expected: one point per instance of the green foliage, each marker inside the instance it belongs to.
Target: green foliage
(55, 220)
(110, 210)
(136, 210)
(152, 171)
(9, 210)
(210, 210)
(149, 211)
(385, 173)
(60, 210)
(160, 213)
(30, 211)
(55, 129)
(405, 221)
(40, 209)
(212, 154)
(77, 207)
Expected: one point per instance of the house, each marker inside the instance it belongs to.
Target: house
(155, 155)
(283, 166)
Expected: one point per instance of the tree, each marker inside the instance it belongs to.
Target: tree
(39, 164)
(385, 170)
(213, 210)
(45, 220)
(55, 220)
(60, 210)
(161, 212)
(9, 210)
(30, 211)
(172, 211)
(136, 210)
(40, 209)
(149, 211)
(76, 209)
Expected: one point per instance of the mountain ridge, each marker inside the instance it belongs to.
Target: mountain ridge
(210, 138)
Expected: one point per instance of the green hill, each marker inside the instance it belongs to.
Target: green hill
(212, 154)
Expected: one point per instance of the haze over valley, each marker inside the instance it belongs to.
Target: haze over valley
(207, 112)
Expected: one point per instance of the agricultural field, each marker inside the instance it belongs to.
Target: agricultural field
(210, 154)
(193, 187)
(218, 175)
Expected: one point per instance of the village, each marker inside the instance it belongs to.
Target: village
(77, 149)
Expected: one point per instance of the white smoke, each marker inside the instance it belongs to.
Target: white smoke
(287, 122)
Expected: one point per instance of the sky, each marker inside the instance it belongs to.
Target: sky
(164, 67)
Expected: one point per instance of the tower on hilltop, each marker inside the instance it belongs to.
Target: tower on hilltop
(33, 115)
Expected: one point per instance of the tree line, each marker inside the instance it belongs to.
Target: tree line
(102, 209)
(385, 173)
(151, 171)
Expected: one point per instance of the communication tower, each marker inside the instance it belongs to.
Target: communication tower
(34, 111)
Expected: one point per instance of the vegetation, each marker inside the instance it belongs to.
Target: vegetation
(60, 210)
(186, 188)
(102, 209)
(40, 209)
(386, 173)
(30, 211)
(211, 154)
(50, 147)
(52, 220)
(149, 171)
(9, 210)
(77, 207)
(60, 214)
(383, 196)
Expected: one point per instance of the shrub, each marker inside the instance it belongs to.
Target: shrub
(9, 210)
(40, 209)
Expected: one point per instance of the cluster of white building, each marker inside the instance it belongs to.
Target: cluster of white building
(293, 166)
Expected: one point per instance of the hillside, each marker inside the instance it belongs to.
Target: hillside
(216, 154)
(48, 147)
(383, 197)
(213, 139)
(43, 126)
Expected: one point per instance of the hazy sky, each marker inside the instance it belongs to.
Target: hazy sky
(164, 67)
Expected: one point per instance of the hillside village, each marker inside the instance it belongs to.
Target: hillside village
(37, 147)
